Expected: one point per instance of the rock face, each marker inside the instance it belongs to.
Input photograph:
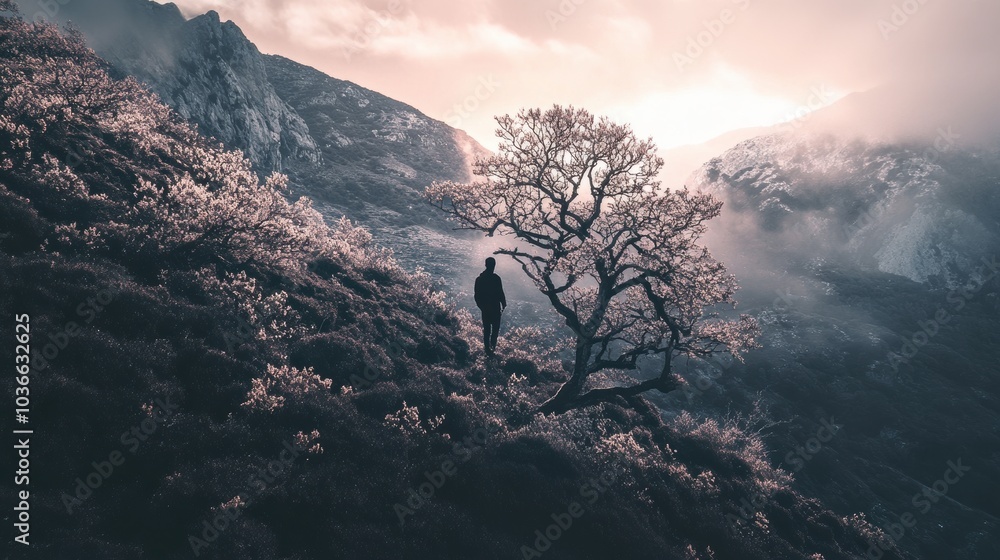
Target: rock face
(217, 78)
(330, 135)
(353, 151)
(924, 213)
(205, 69)
(378, 153)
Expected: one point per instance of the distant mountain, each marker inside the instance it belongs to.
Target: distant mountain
(870, 261)
(925, 210)
(680, 162)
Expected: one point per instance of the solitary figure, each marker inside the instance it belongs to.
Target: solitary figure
(491, 301)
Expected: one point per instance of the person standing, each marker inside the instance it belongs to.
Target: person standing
(491, 301)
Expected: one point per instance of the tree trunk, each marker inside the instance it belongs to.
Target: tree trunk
(563, 399)
(571, 395)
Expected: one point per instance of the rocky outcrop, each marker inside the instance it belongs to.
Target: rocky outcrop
(353, 150)
(206, 69)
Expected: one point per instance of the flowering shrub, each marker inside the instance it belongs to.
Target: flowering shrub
(284, 383)
(737, 441)
(54, 86)
(207, 204)
(353, 244)
(225, 214)
(407, 420)
(270, 315)
(308, 442)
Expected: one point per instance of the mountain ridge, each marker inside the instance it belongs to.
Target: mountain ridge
(212, 74)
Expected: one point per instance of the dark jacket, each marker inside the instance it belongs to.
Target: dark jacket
(489, 292)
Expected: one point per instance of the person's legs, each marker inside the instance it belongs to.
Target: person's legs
(496, 331)
(491, 329)
(487, 325)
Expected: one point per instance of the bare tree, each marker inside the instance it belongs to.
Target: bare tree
(616, 256)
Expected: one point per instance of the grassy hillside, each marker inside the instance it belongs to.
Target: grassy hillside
(221, 374)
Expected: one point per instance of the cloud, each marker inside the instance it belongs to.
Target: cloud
(606, 55)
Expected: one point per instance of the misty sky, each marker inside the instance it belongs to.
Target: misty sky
(682, 71)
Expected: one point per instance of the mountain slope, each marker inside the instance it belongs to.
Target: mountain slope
(355, 152)
(354, 147)
(871, 267)
(378, 153)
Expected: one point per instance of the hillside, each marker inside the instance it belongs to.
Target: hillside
(353, 151)
(287, 381)
(869, 264)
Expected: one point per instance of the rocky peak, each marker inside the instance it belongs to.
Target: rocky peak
(204, 68)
